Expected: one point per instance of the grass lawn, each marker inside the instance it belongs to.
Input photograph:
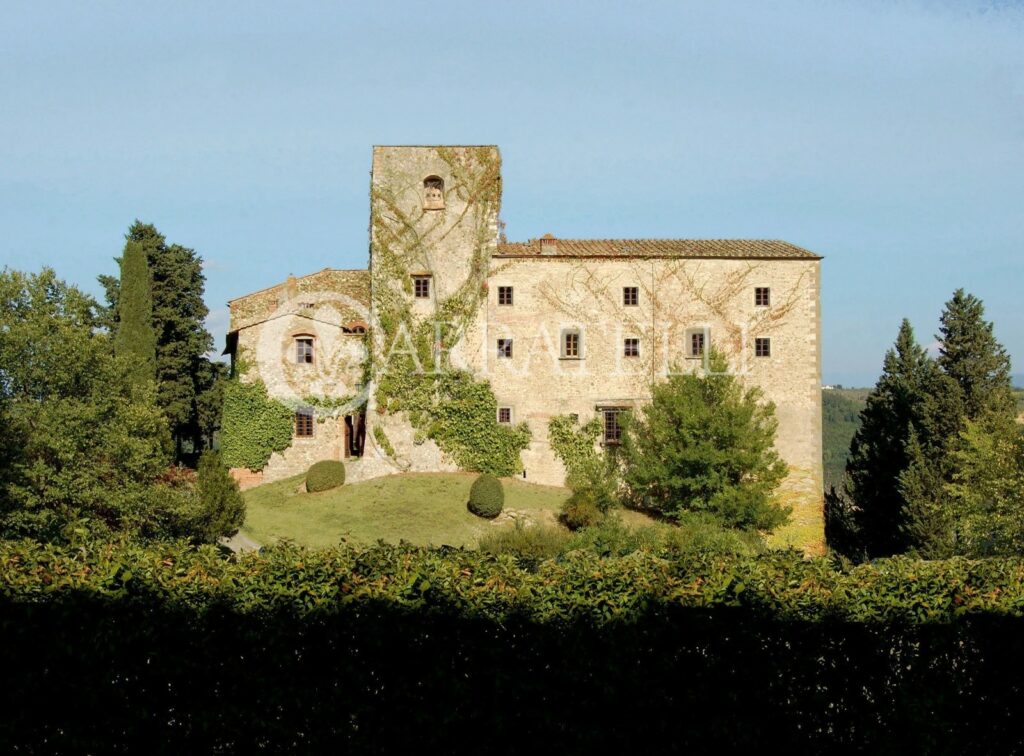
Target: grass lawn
(422, 508)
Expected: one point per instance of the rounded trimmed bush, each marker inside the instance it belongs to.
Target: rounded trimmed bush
(486, 497)
(580, 511)
(324, 475)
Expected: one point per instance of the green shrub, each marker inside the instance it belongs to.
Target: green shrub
(325, 475)
(530, 544)
(486, 497)
(581, 511)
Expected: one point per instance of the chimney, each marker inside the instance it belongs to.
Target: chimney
(548, 245)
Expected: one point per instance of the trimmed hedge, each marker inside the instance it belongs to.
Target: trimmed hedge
(325, 475)
(118, 648)
(486, 497)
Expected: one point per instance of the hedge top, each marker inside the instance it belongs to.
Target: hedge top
(579, 587)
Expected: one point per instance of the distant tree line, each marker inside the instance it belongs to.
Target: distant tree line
(936, 467)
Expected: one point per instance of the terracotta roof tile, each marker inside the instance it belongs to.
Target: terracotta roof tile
(711, 248)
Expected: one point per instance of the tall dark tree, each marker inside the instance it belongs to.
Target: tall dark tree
(866, 517)
(186, 381)
(905, 457)
(974, 388)
(135, 340)
(971, 356)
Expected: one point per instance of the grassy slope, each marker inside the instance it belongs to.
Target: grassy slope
(424, 509)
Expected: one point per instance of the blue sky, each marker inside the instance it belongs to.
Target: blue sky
(887, 136)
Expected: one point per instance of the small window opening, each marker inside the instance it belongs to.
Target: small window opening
(304, 422)
(762, 347)
(630, 296)
(421, 287)
(433, 193)
(304, 350)
(762, 296)
(631, 347)
(504, 295)
(505, 349)
(505, 415)
(571, 343)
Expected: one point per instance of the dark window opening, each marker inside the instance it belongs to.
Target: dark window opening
(421, 287)
(505, 415)
(504, 295)
(762, 296)
(612, 428)
(631, 347)
(697, 343)
(304, 423)
(433, 193)
(762, 347)
(571, 344)
(505, 348)
(630, 296)
(304, 350)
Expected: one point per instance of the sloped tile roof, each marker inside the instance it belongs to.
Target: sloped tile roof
(710, 248)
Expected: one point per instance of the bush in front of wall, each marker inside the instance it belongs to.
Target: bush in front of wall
(486, 497)
(581, 511)
(325, 475)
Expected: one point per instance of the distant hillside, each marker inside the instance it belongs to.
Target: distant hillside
(840, 419)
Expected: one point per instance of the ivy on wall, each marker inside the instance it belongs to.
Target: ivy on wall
(383, 441)
(573, 443)
(253, 425)
(453, 408)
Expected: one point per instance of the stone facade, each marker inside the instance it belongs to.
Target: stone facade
(434, 217)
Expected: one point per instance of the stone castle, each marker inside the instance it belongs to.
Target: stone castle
(554, 326)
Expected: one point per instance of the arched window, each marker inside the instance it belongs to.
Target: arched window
(433, 193)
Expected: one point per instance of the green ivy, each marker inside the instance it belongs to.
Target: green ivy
(573, 443)
(453, 408)
(253, 425)
(383, 441)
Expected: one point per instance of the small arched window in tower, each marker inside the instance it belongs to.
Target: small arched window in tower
(433, 193)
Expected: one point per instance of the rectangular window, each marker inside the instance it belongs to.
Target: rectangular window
(304, 423)
(762, 296)
(421, 287)
(504, 295)
(631, 347)
(612, 429)
(571, 344)
(505, 349)
(697, 340)
(630, 296)
(505, 415)
(762, 347)
(304, 350)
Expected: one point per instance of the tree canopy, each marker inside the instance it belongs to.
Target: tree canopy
(187, 381)
(705, 444)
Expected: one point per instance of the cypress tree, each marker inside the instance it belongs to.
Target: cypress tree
(186, 382)
(878, 452)
(135, 338)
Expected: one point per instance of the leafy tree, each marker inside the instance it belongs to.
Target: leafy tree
(705, 444)
(135, 339)
(987, 490)
(222, 507)
(84, 442)
(187, 385)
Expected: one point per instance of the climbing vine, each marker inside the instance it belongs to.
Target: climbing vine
(253, 425)
(451, 407)
(573, 443)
